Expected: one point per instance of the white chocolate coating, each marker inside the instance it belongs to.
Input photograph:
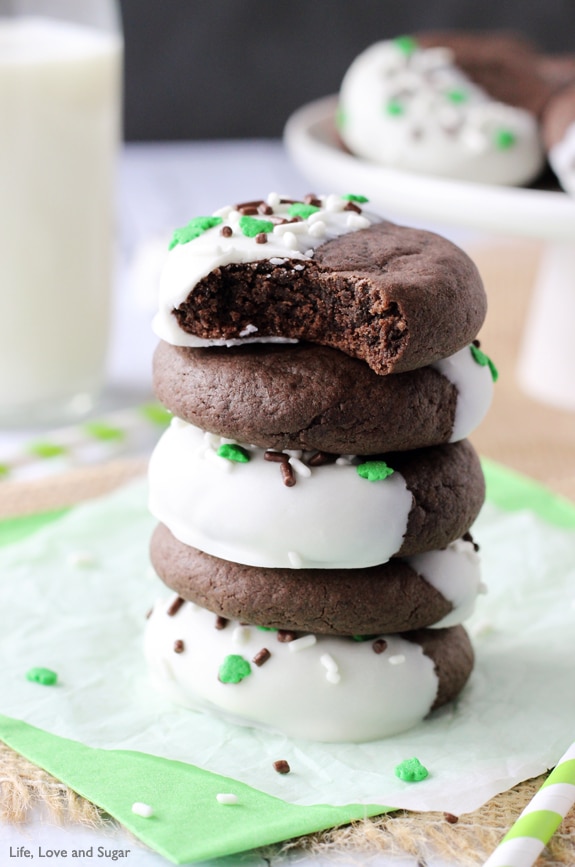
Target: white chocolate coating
(474, 385)
(331, 517)
(415, 110)
(562, 160)
(188, 263)
(454, 572)
(328, 689)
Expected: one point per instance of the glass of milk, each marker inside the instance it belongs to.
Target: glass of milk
(60, 127)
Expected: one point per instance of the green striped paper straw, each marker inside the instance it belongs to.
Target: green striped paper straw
(529, 835)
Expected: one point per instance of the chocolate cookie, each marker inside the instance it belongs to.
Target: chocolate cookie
(437, 589)
(308, 510)
(396, 297)
(318, 687)
(312, 397)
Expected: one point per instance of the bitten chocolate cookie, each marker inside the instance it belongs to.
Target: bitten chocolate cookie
(559, 137)
(324, 688)
(323, 271)
(305, 510)
(438, 589)
(316, 398)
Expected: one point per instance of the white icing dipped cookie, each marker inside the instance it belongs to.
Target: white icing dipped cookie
(412, 108)
(314, 397)
(432, 590)
(559, 136)
(245, 504)
(312, 687)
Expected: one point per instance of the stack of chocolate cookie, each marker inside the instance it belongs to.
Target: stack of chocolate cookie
(315, 489)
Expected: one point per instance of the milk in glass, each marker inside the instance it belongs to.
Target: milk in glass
(59, 131)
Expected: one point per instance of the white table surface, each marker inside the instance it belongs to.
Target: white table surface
(161, 186)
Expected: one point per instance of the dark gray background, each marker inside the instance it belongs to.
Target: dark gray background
(204, 69)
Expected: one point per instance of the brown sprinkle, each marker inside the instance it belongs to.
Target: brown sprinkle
(221, 622)
(179, 646)
(351, 206)
(248, 210)
(449, 817)
(276, 457)
(379, 645)
(261, 656)
(175, 606)
(282, 767)
(261, 238)
(264, 208)
(226, 231)
(476, 343)
(312, 199)
(149, 613)
(253, 204)
(286, 635)
(288, 474)
(322, 458)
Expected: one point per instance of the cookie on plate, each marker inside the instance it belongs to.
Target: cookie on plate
(446, 105)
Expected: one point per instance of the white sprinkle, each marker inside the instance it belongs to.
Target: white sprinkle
(275, 260)
(333, 677)
(397, 659)
(241, 634)
(226, 798)
(80, 559)
(273, 200)
(345, 460)
(475, 140)
(298, 267)
(295, 559)
(212, 440)
(142, 810)
(290, 240)
(249, 329)
(317, 229)
(334, 203)
(300, 468)
(328, 662)
(316, 217)
(293, 453)
(302, 643)
(356, 221)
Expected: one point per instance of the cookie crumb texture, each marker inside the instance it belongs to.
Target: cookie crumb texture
(395, 297)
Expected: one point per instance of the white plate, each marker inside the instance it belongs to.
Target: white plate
(311, 140)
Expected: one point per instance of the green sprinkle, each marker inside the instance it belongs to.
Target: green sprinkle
(156, 413)
(351, 197)
(46, 450)
(394, 108)
(301, 209)
(481, 358)
(234, 668)
(45, 676)
(457, 96)
(374, 471)
(267, 628)
(4, 470)
(193, 229)
(232, 452)
(251, 226)
(411, 771)
(504, 139)
(340, 117)
(100, 430)
(406, 44)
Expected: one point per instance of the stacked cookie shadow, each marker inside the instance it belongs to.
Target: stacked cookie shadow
(314, 498)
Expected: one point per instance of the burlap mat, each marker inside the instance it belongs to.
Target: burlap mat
(525, 435)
